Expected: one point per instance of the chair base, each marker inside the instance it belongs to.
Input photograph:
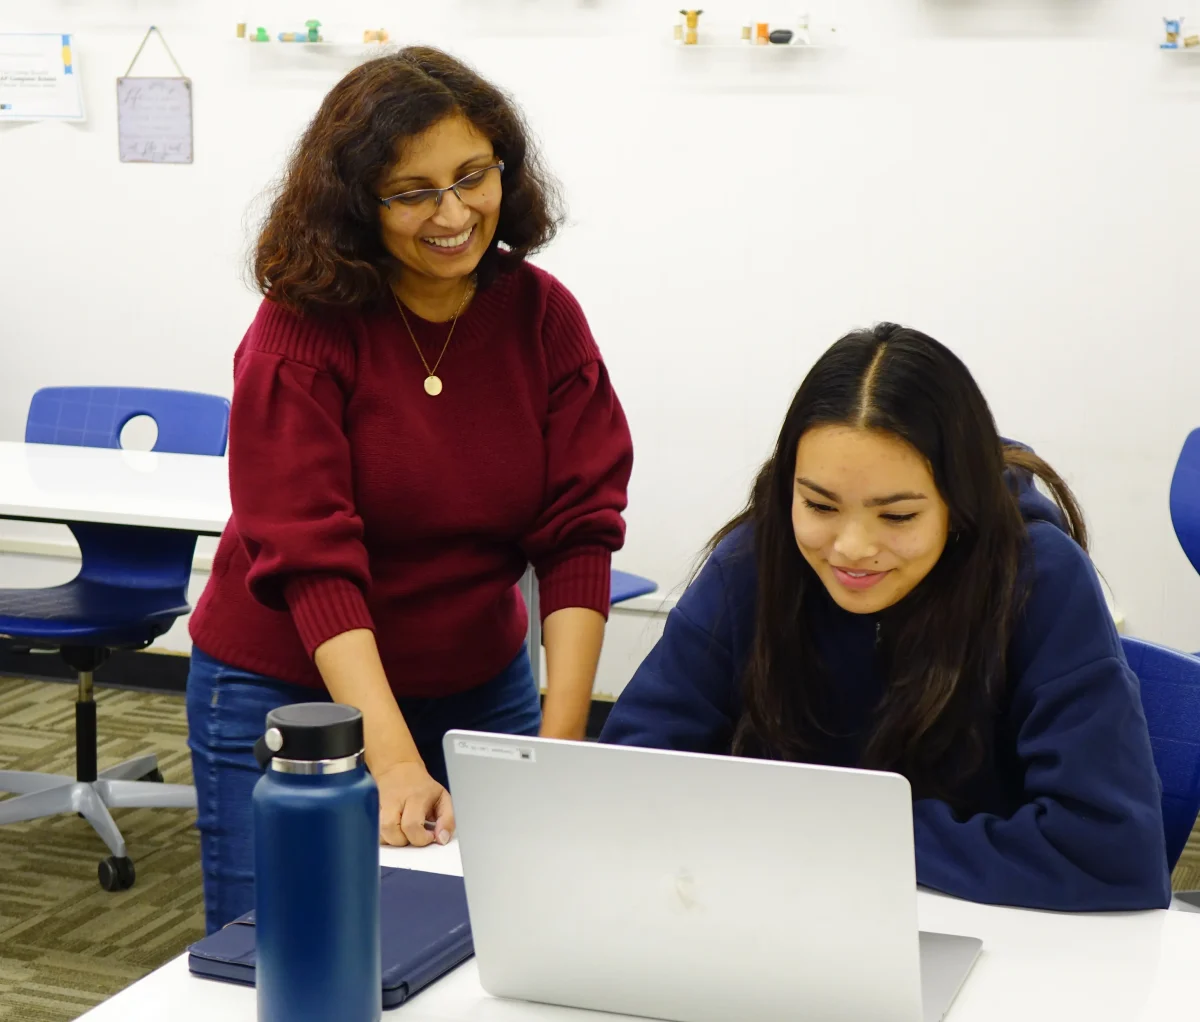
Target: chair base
(118, 787)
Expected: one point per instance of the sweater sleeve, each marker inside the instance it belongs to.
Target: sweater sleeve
(684, 695)
(589, 457)
(1089, 833)
(290, 477)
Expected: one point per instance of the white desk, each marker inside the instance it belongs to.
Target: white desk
(1133, 968)
(1036, 966)
(52, 483)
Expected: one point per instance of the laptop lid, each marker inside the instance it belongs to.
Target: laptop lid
(686, 887)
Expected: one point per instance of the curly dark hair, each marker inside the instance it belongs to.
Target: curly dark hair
(321, 245)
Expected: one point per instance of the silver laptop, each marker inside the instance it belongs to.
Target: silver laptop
(694, 888)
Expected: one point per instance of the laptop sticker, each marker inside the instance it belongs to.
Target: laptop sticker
(471, 747)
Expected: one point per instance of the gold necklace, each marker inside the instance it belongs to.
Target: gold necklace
(433, 382)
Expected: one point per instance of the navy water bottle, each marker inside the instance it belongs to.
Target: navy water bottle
(316, 869)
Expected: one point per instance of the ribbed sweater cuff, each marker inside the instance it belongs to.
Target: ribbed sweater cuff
(580, 578)
(323, 606)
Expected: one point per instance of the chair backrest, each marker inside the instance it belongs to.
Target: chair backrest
(1185, 498)
(188, 423)
(1170, 683)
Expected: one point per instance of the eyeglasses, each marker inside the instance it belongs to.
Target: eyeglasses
(427, 200)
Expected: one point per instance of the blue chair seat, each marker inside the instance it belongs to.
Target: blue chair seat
(131, 586)
(85, 612)
(626, 586)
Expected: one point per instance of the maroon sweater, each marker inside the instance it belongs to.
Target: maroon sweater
(359, 501)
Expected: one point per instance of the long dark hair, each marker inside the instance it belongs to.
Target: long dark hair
(945, 642)
(321, 245)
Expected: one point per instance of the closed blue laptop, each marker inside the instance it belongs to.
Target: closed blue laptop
(424, 933)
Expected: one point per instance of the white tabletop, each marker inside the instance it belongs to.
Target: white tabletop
(55, 483)
(1139, 967)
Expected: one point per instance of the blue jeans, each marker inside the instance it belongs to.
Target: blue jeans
(227, 709)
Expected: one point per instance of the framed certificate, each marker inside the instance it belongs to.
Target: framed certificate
(39, 80)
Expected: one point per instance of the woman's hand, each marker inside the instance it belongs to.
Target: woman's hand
(350, 666)
(408, 797)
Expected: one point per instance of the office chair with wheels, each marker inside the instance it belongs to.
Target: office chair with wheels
(131, 587)
(1170, 684)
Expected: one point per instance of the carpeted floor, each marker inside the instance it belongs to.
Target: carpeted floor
(65, 944)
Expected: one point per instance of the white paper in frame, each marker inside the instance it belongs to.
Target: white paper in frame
(154, 120)
(154, 115)
(39, 79)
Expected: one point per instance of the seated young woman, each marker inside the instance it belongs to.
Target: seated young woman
(899, 596)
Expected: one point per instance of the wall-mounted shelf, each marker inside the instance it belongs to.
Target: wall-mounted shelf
(323, 47)
(742, 45)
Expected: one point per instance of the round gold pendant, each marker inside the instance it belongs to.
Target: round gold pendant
(433, 386)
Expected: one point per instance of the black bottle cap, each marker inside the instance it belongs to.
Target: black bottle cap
(311, 731)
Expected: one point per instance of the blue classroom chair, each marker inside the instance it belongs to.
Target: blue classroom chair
(626, 586)
(1170, 684)
(131, 587)
(1185, 498)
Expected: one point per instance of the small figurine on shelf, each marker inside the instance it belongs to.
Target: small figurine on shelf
(311, 34)
(375, 35)
(260, 36)
(1173, 28)
(692, 19)
(803, 32)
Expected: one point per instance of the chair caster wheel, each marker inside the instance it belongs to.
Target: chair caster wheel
(116, 874)
(154, 777)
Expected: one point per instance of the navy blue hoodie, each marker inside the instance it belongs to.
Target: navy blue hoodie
(1067, 815)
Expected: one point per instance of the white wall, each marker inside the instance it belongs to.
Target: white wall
(1016, 178)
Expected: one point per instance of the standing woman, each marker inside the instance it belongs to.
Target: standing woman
(418, 413)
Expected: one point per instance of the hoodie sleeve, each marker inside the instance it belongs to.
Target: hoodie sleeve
(684, 695)
(1089, 833)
